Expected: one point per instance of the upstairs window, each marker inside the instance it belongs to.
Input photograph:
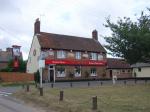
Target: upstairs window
(61, 54)
(93, 56)
(93, 71)
(78, 55)
(100, 57)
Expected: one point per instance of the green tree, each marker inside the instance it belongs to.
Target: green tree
(130, 39)
(10, 68)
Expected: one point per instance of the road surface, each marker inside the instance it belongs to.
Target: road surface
(10, 104)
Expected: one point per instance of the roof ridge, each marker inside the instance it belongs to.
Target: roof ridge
(67, 35)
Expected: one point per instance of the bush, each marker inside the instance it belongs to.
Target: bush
(37, 77)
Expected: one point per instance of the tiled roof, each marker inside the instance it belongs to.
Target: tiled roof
(114, 63)
(140, 65)
(57, 41)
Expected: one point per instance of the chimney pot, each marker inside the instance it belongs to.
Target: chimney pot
(95, 35)
(37, 26)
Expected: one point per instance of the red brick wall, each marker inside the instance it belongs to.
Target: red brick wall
(16, 77)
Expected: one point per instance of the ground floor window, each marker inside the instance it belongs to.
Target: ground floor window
(60, 72)
(93, 71)
(77, 71)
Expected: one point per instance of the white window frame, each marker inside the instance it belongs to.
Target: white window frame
(100, 57)
(93, 73)
(78, 55)
(78, 74)
(60, 74)
(61, 54)
(93, 56)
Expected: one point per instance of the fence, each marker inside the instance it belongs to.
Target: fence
(16, 77)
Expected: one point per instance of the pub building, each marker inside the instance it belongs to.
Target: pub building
(67, 57)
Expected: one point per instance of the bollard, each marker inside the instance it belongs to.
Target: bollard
(27, 88)
(52, 85)
(35, 85)
(88, 84)
(101, 83)
(145, 81)
(71, 84)
(94, 101)
(125, 82)
(61, 95)
(135, 81)
(41, 91)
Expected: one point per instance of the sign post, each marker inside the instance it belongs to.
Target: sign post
(41, 66)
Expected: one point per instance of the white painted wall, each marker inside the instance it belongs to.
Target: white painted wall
(32, 63)
(145, 72)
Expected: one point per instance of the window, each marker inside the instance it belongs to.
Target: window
(123, 71)
(93, 56)
(61, 54)
(61, 72)
(93, 71)
(77, 71)
(139, 69)
(78, 55)
(100, 57)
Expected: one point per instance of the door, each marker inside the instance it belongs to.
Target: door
(110, 73)
(51, 75)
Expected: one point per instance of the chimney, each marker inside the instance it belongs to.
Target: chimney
(95, 34)
(37, 26)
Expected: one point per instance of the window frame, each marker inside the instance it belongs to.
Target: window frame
(59, 72)
(93, 72)
(61, 54)
(75, 71)
(77, 55)
(93, 56)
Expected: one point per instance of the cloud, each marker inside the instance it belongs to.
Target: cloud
(70, 17)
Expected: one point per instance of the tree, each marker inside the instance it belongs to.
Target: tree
(10, 68)
(129, 39)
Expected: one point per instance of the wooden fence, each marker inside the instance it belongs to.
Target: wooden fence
(16, 77)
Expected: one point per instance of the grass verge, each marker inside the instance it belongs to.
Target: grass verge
(130, 98)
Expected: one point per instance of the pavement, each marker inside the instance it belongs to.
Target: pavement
(10, 104)
(94, 83)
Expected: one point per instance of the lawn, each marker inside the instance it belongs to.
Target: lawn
(129, 98)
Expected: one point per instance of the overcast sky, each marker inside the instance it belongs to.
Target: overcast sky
(70, 17)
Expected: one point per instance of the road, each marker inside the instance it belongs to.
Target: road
(10, 104)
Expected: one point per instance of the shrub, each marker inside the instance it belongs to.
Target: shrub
(37, 77)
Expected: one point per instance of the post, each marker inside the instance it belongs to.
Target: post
(145, 81)
(94, 101)
(61, 95)
(101, 83)
(135, 81)
(125, 82)
(41, 91)
(28, 88)
(40, 70)
(88, 84)
(70, 84)
(52, 85)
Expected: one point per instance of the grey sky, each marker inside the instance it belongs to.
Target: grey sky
(70, 17)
